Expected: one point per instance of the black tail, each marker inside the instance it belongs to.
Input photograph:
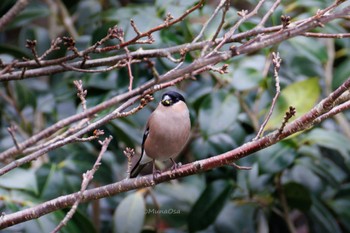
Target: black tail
(136, 170)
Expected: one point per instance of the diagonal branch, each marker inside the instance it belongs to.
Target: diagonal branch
(12, 13)
(201, 63)
(87, 177)
(226, 158)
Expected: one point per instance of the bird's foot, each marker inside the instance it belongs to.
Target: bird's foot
(175, 165)
(156, 173)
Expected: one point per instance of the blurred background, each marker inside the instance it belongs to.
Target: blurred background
(303, 180)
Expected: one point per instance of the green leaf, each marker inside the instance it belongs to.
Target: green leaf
(341, 73)
(306, 47)
(322, 218)
(30, 13)
(237, 218)
(177, 198)
(297, 196)
(47, 223)
(276, 158)
(248, 72)
(37, 33)
(213, 145)
(25, 96)
(330, 139)
(319, 168)
(301, 95)
(20, 179)
(218, 111)
(341, 207)
(130, 214)
(209, 205)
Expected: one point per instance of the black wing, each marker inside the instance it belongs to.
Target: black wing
(136, 169)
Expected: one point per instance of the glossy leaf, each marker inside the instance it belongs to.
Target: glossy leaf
(297, 196)
(330, 139)
(323, 219)
(315, 52)
(341, 206)
(248, 73)
(20, 179)
(218, 111)
(230, 219)
(209, 205)
(25, 96)
(301, 95)
(30, 13)
(130, 214)
(276, 158)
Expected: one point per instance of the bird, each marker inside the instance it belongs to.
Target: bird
(166, 133)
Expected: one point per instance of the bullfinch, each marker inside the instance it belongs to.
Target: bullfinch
(167, 132)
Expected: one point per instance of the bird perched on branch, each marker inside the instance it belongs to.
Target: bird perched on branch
(166, 133)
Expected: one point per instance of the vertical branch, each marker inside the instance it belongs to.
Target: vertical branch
(12, 130)
(269, 13)
(87, 177)
(284, 204)
(81, 93)
(276, 60)
(200, 34)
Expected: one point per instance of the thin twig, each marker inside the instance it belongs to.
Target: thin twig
(87, 177)
(244, 16)
(224, 11)
(31, 45)
(185, 170)
(157, 28)
(115, 66)
(172, 74)
(326, 35)
(154, 71)
(338, 109)
(54, 46)
(269, 13)
(284, 204)
(8, 67)
(129, 154)
(238, 167)
(12, 130)
(291, 112)
(12, 13)
(81, 93)
(276, 60)
(216, 11)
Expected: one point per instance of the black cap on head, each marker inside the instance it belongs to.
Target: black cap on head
(171, 97)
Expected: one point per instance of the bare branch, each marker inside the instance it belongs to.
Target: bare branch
(216, 11)
(269, 13)
(12, 130)
(12, 13)
(185, 170)
(227, 158)
(276, 60)
(87, 177)
(244, 16)
(326, 35)
(291, 112)
(31, 45)
(129, 153)
(81, 93)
